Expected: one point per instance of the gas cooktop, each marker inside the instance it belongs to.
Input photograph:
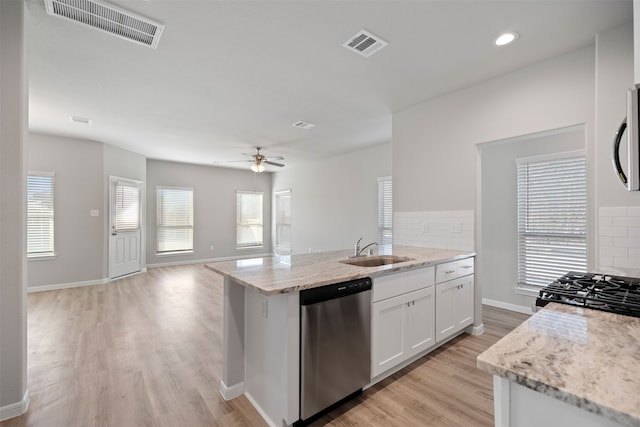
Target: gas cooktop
(615, 294)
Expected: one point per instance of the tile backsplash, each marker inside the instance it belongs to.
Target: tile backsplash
(435, 229)
(619, 240)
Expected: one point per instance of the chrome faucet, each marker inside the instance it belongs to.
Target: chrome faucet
(358, 250)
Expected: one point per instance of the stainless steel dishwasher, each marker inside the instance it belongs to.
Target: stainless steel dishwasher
(335, 344)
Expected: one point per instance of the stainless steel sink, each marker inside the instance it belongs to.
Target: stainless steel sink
(375, 261)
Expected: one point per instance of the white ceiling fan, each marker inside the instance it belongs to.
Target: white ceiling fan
(259, 160)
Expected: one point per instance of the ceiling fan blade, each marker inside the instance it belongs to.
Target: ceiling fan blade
(236, 161)
(276, 158)
(269, 162)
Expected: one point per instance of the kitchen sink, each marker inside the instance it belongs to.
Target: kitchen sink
(375, 261)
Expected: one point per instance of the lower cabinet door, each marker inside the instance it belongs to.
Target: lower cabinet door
(387, 334)
(464, 307)
(419, 321)
(445, 316)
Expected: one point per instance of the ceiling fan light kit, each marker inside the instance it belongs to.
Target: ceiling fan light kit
(258, 161)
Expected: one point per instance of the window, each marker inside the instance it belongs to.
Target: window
(385, 212)
(40, 218)
(174, 220)
(552, 218)
(283, 221)
(248, 219)
(127, 209)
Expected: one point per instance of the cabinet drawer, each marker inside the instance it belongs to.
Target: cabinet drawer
(446, 271)
(402, 282)
(465, 267)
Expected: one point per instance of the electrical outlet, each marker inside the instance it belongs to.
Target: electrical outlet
(265, 308)
(211, 247)
(456, 227)
(94, 212)
(425, 227)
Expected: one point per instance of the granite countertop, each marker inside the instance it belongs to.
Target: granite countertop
(289, 273)
(587, 358)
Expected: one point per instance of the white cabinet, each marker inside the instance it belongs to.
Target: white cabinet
(402, 325)
(636, 39)
(454, 297)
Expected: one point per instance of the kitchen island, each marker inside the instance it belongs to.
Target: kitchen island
(567, 365)
(261, 327)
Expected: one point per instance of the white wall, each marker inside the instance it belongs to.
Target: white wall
(435, 154)
(214, 193)
(78, 188)
(335, 202)
(13, 127)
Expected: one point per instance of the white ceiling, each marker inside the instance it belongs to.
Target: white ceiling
(231, 75)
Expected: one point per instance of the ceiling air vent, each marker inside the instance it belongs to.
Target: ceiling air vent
(303, 125)
(365, 43)
(108, 18)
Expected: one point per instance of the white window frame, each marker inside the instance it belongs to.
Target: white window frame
(257, 223)
(48, 254)
(552, 229)
(385, 213)
(282, 220)
(187, 249)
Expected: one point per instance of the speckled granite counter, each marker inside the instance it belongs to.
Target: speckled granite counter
(281, 274)
(587, 358)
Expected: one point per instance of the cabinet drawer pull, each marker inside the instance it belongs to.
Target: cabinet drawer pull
(465, 266)
(450, 271)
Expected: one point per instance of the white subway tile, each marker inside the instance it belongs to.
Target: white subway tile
(634, 253)
(613, 211)
(613, 231)
(634, 231)
(627, 262)
(606, 260)
(614, 252)
(626, 242)
(626, 221)
(606, 241)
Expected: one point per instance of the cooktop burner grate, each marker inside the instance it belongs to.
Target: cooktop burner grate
(613, 294)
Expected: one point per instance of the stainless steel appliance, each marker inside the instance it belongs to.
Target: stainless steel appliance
(615, 294)
(335, 345)
(631, 179)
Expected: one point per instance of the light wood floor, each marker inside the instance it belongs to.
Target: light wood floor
(146, 351)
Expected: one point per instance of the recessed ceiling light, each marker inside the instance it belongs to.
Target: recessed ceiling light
(505, 38)
(80, 120)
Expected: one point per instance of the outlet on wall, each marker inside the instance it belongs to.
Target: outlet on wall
(456, 227)
(425, 227)
(211, 247)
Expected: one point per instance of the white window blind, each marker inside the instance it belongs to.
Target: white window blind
(283, 220)
(174, 219)
(385, 212)
(248, 219)
(40, 214)
(127, 209)
(552, 218)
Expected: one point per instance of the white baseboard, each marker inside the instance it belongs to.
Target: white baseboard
(507, 306)
(262, 413)
(15, 409)
(201, 261)
(66, 285)
(232, 392)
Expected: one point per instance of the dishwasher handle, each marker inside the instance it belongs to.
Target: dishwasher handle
(335, 290)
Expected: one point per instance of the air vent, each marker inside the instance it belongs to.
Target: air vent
(303, 125)
(108, 18)
(365, 43)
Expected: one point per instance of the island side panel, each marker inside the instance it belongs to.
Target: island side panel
(272, 355)
(232, 384)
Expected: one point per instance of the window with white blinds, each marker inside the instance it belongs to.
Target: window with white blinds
(283, 221)
(40, 214)
(248, 219)
(552, 218)
(127, 209)
(385, 212)
(174, 220)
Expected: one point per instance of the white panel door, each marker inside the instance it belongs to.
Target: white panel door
(464, 302)
(445, 314)
(124, 221)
